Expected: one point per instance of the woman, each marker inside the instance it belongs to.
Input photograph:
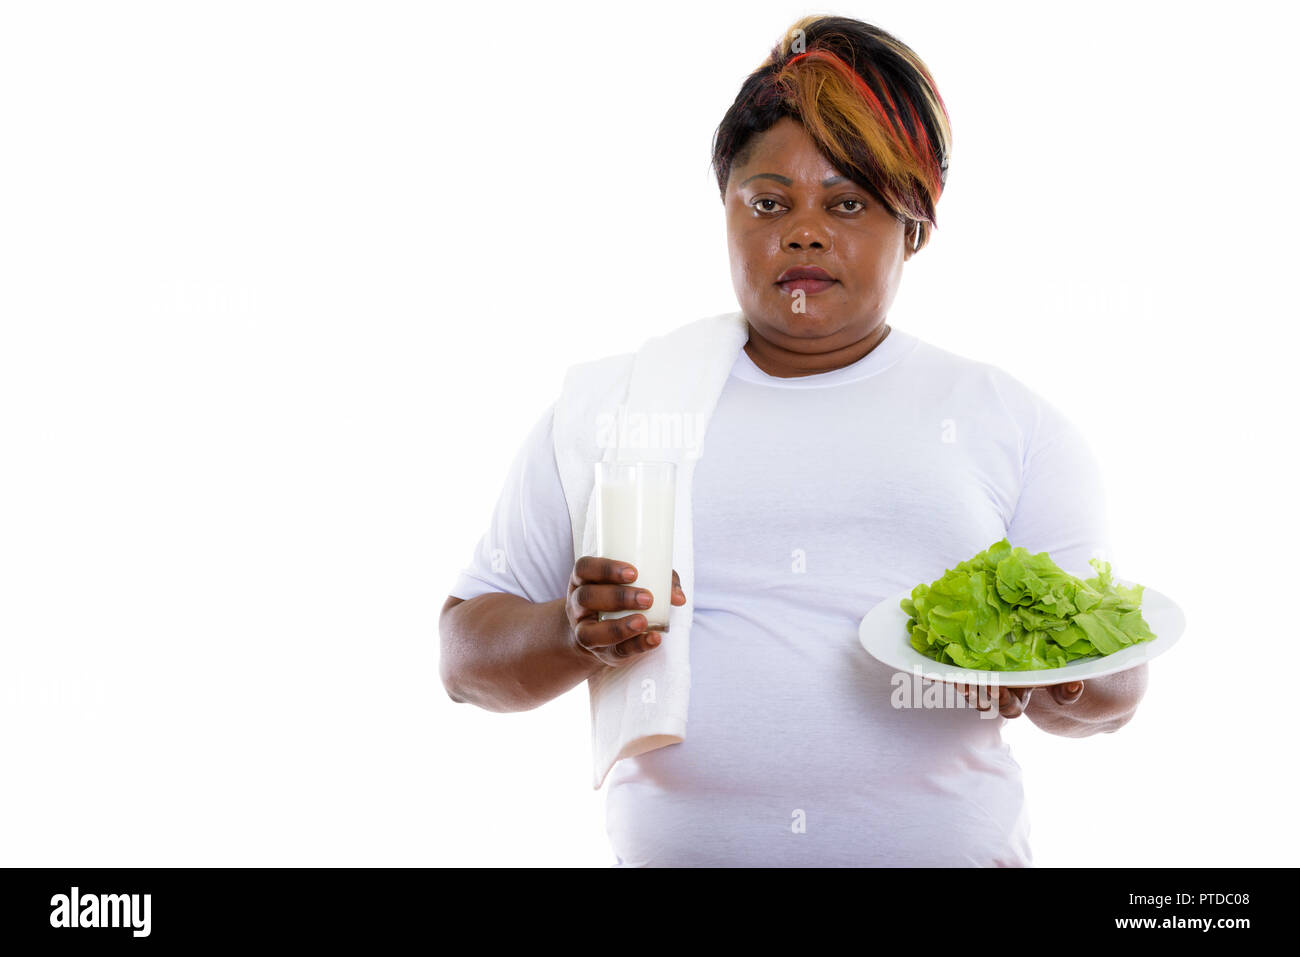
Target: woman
(845, 461)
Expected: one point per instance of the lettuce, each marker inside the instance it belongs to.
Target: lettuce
(1008, 610)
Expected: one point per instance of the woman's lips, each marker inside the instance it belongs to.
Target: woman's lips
(809, 286)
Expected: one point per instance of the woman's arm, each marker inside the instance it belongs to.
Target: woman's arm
(505, 653)
(1107, 704)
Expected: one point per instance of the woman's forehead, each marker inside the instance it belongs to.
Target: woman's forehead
(788, 153)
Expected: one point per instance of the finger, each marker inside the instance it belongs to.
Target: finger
(588, 598)
(601, 635)
(1013, 701)
(590, 568)
(679, 596)
(638, 645)
(978, 695)
(1067, 693)
(629, 650)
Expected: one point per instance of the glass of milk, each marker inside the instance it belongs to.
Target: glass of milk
(634, 523)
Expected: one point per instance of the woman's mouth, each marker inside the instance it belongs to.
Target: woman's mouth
(809, 286)
(808, 279)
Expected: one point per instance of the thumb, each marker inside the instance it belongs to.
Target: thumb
(1067, 693)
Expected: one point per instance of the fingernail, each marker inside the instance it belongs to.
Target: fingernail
(652, 640)
(629, 574)
(1073, 686)
(643, 600)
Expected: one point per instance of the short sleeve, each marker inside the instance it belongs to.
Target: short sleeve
(1062, 507)
(528, 547)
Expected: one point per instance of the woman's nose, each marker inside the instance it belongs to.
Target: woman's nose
(805, 232)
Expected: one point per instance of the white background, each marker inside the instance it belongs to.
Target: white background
(284, 286)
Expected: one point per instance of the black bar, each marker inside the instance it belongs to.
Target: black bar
(372, 906)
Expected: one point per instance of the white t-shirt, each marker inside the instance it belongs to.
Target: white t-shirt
(814, 499)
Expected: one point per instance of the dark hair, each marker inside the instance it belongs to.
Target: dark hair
(868, 102)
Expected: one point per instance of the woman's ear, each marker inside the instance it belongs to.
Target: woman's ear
(911, 234)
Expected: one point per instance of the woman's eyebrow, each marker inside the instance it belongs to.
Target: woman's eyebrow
(787, 181)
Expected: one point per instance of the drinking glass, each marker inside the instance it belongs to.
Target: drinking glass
(634, 523)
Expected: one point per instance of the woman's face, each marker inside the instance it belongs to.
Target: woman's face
(788, 206)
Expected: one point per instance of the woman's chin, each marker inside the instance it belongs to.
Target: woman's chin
(814, 322)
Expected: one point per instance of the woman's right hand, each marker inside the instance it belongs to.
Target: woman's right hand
(604, 584)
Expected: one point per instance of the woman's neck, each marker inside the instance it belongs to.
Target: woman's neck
(786, 364)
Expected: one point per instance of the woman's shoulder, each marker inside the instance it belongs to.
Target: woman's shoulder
(961, 365)
(977, 376)
(717, 334)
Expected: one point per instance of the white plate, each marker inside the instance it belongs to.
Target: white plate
(883, 633)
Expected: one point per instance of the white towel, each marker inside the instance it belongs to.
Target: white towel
(673, 381)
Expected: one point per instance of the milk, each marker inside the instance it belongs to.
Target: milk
(635, 524)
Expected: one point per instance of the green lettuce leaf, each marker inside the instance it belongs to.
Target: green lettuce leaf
(1008, 610)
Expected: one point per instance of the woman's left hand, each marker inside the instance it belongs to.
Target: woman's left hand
(1012, 702)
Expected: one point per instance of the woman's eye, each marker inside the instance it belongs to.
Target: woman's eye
(768, 205)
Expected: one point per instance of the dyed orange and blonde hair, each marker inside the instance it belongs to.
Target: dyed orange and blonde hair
(865, 98)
